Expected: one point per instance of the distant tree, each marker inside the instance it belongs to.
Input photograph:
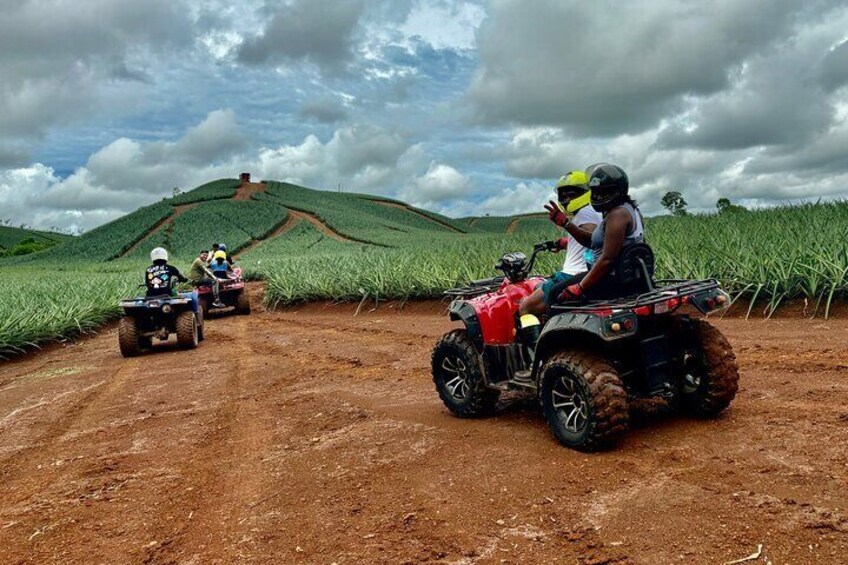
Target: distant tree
(176, 192)
(675, 203)
(724, 206)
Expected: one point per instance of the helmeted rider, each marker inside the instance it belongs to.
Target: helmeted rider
(161, 277)
(223, 247)
(201, 275)
(572, 198)
(622, 226)
(220, 266)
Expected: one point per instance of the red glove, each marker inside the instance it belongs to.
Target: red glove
(574, 292)
(556, 215)
(561, 243)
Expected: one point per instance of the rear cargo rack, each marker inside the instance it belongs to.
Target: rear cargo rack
(663, 290)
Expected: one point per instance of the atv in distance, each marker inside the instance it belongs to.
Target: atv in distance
(233, 293)
(158, 317)
(594, 359)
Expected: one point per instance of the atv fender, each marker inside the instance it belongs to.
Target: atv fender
(462, 311)
(584, 330)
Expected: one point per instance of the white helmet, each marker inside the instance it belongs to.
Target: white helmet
(160, 253)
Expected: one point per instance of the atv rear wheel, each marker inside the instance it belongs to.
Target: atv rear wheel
(712, 381)
(205, 303)
(128, 338)
(187, 331)
(201, 325)
(243, 303)
(458, 375)
(584, 400)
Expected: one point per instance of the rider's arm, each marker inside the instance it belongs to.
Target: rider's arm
(616, 231)
(581, 233)
(175, 273)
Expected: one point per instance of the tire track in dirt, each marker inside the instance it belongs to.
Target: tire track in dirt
(310, 435)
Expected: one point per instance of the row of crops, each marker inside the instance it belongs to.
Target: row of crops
(764, 257)
(234, 222)
(215, 190)
(38, 305)
(358, 218)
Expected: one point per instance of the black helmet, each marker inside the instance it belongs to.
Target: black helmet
(609, 185)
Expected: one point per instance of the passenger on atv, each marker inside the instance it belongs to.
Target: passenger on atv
(620, 229)
(573, 197)
(160, 276)
(220, 266)
(201, 275)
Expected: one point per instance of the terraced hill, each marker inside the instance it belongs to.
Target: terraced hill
(248, 217)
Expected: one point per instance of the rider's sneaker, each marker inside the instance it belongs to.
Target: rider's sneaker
(218, 304)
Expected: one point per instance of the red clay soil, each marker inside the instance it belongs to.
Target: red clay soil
(164, 224)
(319, 225)
(286, 226)
(513, 225)
(313, 436)
(247, 190)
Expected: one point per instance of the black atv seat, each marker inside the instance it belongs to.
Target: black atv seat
(632, 275)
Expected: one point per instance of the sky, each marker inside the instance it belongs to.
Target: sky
(462, 107)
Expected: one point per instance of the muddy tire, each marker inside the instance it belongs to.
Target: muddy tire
(187, 330)
(243, 303)
(128, 338)
(201, 324)
(458, 375)
(712, 384)
(205, 304)
(584, 400)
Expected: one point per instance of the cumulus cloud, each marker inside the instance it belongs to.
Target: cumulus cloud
(439, 184)
(58, 56)
(325, 110)
(319, 31)
(611, 67)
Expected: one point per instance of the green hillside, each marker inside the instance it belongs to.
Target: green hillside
(316, 245)
(21, 241)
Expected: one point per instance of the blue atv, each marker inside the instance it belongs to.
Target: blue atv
(159, 317)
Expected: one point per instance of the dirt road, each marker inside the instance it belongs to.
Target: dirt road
(312, 436)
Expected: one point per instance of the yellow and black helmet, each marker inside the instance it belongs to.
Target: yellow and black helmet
(574, 187)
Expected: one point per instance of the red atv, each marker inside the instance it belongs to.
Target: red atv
(594, 360)
(233, 295)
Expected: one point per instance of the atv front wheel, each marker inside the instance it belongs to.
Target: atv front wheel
(584, 400)
(128, 338)
(187, 331)
(243, 303)
(711, 382)
(458, 375)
